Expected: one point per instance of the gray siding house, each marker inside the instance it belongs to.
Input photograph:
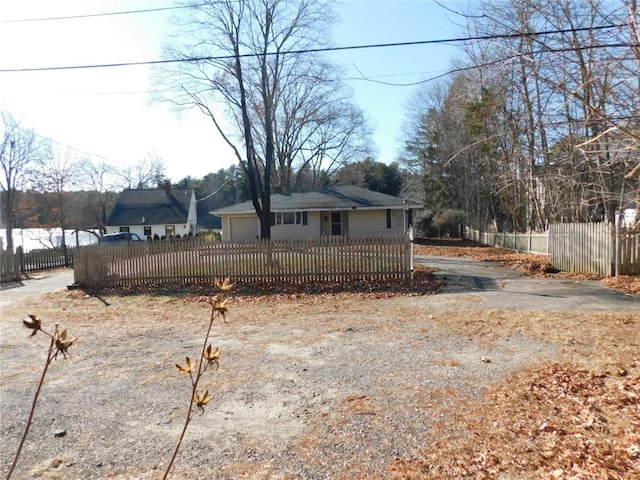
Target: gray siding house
(337, 211)
(162, 212)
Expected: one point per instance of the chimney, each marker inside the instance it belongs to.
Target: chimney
(167, 187)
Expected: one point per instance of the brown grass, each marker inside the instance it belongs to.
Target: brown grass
(448, 363)
(577, 417)
(603, 339)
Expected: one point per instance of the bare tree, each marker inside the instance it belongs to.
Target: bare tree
(253, 57)
(316, 127)
(338, 137)
(103, 181)
(20, 150)
(57, 175)
(148, 172)
(546, 127)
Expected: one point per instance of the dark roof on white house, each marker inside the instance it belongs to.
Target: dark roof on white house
(344, 197)
(151, 207)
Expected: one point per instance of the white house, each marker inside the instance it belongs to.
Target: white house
(341, 210)
(161, 212)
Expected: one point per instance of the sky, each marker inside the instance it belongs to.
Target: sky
(107, 113)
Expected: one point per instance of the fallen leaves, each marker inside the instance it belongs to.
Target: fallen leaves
(422, 283)
(558, 421)
(531, 264)
(359, 405)
(626, 283)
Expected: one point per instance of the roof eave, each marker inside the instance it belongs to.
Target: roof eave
(219, 213)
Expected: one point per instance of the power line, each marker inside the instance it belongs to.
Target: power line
(318, 50)
(493, 62)
(109, 14)
(93, 15)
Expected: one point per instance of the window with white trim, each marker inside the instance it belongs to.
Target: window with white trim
(289, 218)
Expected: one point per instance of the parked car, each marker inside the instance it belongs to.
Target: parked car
(120, 237)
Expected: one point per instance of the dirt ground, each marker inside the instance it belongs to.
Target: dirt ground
(371, 383)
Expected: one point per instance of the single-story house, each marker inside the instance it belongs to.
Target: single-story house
(162, 212)
(341, 210)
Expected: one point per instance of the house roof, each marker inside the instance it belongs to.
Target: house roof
(151, 207)
(344, 197)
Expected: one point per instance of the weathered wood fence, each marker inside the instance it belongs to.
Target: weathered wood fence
(598, 248)
(529, 242)
(193, 261)
(9, 267)
(627, 254)
(582, 247)
(13, 265)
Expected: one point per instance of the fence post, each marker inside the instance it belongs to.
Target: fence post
(9, 267)
(20, 254)
(616, 234)
(410, 247)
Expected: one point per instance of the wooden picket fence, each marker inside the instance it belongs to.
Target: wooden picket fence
(627, 253)
(9, 267)
(14, 265)
(198, 260)
(598, 248)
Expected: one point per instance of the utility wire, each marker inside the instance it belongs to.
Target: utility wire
(493, 62)
(318, 50)
(110, 14)
(103, 14)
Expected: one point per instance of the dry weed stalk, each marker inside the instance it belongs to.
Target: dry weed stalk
(209, 357)
(59, 344)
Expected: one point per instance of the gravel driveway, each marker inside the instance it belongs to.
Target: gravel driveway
(311, 387)
(37, 284)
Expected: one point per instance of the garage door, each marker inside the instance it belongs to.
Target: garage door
(243, 229)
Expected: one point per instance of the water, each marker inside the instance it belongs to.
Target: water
(39, 238)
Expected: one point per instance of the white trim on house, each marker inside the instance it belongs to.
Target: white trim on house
(160, 230)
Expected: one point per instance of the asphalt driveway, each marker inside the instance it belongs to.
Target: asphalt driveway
(473, 283)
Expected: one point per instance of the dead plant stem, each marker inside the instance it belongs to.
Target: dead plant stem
(33, 407)
(194, 387)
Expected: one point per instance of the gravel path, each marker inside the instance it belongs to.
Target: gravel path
(37, 284)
